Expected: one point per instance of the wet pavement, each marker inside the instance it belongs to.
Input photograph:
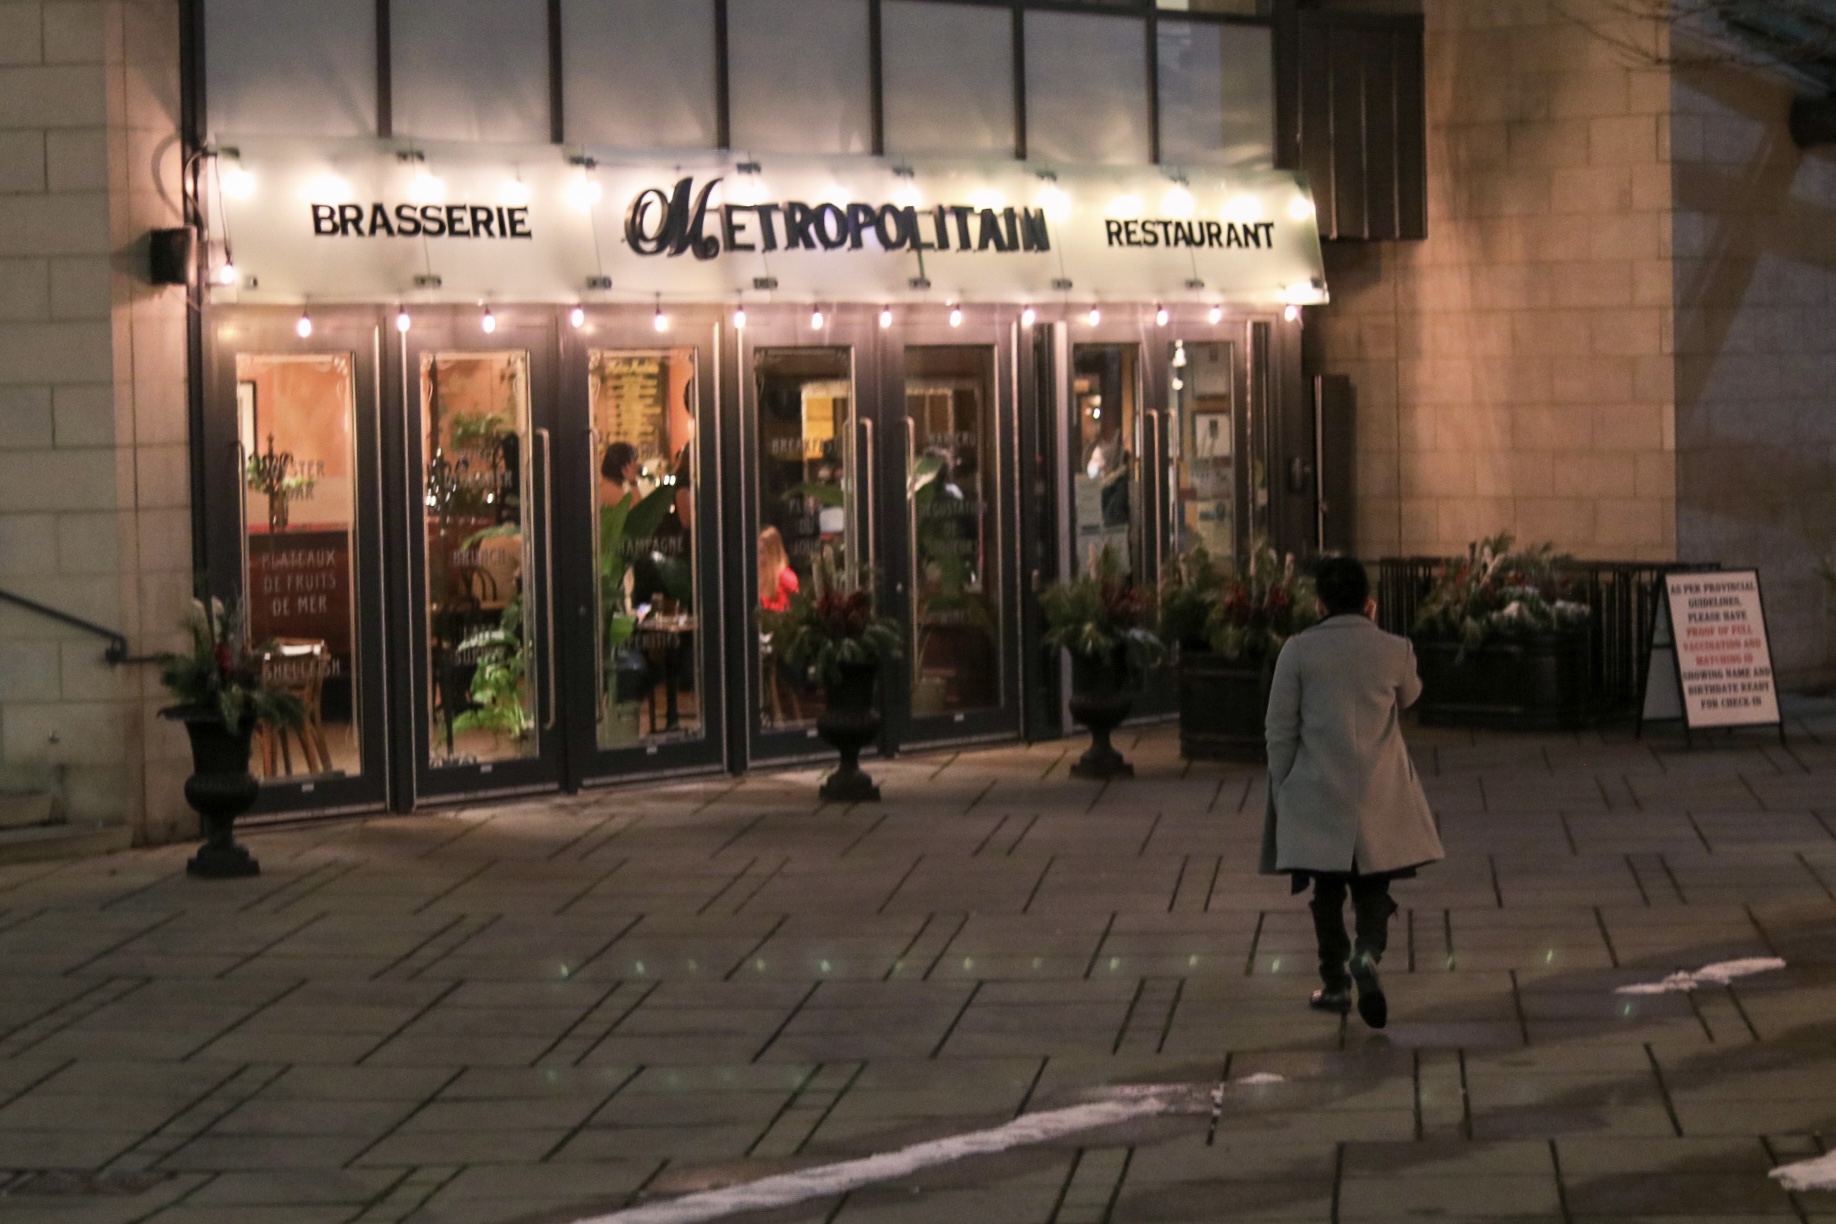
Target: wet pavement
(551, 1010)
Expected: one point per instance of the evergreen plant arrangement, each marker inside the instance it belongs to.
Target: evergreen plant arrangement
(1260, 611)
(1497, 591)
(1102, 620)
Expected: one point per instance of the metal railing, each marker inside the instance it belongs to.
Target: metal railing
(114, 655)
(1621, 594)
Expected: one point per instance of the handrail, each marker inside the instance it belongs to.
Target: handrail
(117, 652)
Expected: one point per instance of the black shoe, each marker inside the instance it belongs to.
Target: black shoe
(1338, 1001)
(1372, 1006)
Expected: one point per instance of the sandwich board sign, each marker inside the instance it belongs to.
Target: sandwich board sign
(1711, 660)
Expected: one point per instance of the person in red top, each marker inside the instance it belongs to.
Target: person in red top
(777, 580)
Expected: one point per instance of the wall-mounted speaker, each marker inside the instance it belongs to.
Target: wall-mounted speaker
(169, 256)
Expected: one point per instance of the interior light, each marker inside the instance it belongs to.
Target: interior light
(956, 316)
(739, 318)
(403, 322)
(489, 322)
(885, 317)
(1028, 317)
(1291, 314)
(576, 317)
(1160, 316)
(226, 275)
(1216, 316)
(660, 321)
(1096, 316)
(1179, 354)
(238, 184)
(303, 328)
(816, 319)
(1179, 384)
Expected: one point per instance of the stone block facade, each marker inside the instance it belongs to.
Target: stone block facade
(94, 484)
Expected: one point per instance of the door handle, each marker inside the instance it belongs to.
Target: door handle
(866, 485)
(911, 511)
(548, 576)
(242, 517)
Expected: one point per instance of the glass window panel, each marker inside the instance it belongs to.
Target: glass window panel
(948, 72)
(805, 456)
(639, 74)
(291, 69)
(296, 420)
(799, 76)
(1086, 88)
(480, 634)
(1217, 94)
(1240, 8)
(951, 453)
(1202, 448)
(644, 418)
(1105, 392)
(469, 69)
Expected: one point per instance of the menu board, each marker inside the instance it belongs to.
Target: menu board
(300, 588)
(1716, 634)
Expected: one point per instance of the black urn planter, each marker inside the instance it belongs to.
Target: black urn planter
(1538, 683)
(1101, 698)
(219, 789)
(848, 723)
(1222, 703)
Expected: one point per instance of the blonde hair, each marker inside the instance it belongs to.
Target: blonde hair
(773, 561)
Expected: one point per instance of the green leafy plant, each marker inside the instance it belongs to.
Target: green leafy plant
(222, 673)
(1258, 612)
(1498, 591)
(1192, 586)
(1099, 615)
(832, 623)
(500, 655)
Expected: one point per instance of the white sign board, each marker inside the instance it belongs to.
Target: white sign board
(386, 222)
(1723, 658)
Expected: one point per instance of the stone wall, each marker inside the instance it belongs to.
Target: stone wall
(1755, 239)
(1514, 370)
(94, 497)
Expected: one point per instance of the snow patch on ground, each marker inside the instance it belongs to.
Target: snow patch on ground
(1818, 1174)
(1718, 974)
(1262, 1077)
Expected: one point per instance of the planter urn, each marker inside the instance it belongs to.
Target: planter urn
(1534, 683)
(848, 723)
(219, 789)
(1100, 699)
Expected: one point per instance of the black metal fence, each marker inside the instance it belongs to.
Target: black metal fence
(1622, 594)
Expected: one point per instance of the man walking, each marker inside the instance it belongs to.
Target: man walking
(1345, 809)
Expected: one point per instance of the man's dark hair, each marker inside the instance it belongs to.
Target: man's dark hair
(1342, 584)
(619, 456)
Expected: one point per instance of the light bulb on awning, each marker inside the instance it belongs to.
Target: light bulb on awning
(660, 321)
(816, 319)
(1291, 314)
(1216, 316)
(1028, 317)
(238, 184)
(885, 317)
(1096, 316)
(226, 275)
(956, 316)
(577, 317)
(489, 322)
(303, 328)
(1300, 208)
(402, 321)
(739, 318)
(1179, 354)
(1160, 316)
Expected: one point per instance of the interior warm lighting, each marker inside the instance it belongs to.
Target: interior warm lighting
(1096, 316)
(1179, 354)
(739, 318)
(885, 317)
(238, 184)
(1216, 316)
(660, 321)
(303, 328)
(1054, 202)
(1243, 208)
(987, 197)
(1300, 208)
(489, 322)
(577, 317)
(585, 193)
(1179, 384)
(1178, 203)
(1291, 314)
(1160, 316)
(426, 188)
(403, 322)
(816, 319)
(514, 193)
(1028, 317)
(226, 275)
(956, 316)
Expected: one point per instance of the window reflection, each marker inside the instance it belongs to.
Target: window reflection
(1104, 393)
(644, 408)
(296, 421)
(1202, 447)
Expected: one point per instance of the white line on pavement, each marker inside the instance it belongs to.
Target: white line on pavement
(1718, 974)
(1816, 1174)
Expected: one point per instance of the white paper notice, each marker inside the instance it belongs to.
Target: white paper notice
(1723, 659)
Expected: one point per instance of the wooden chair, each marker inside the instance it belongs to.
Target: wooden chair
(298, 665)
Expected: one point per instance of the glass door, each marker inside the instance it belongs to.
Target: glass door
(945, 500)
(292, 440)
(479, 458)
(805, 501)
(640, 534)
(1204, 491)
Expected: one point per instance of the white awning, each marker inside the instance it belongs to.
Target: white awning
(389, 222)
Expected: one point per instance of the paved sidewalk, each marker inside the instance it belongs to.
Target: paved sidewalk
(544, 1011)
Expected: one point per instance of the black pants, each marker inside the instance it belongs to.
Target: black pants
(1371, 908)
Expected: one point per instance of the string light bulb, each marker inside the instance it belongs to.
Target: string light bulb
(659, 320)
(885, 317)
(303, 328)
(1028, 317)
(226, 275)
(1160, 316)
(402, 321)
(1291, 314)
(816, 319)
(1179, 354)
(1216, 316)
(1095, 316)
(576, 317)
(739, 318)
(956, 316)
(489, 322)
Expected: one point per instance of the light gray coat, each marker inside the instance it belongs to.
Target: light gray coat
(1342, 789)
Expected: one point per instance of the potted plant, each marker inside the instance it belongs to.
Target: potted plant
(221, 697)
(1502, 642)
(1101, 621)
(830, 631)
(1224, 675)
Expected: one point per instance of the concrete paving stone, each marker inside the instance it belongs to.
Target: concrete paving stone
(245, 1045)
(521, 1145)
(293, 1187)
(688, 1109)
(680, 1144)
(263, 1116)
(224, 1153)
(243, 1213)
